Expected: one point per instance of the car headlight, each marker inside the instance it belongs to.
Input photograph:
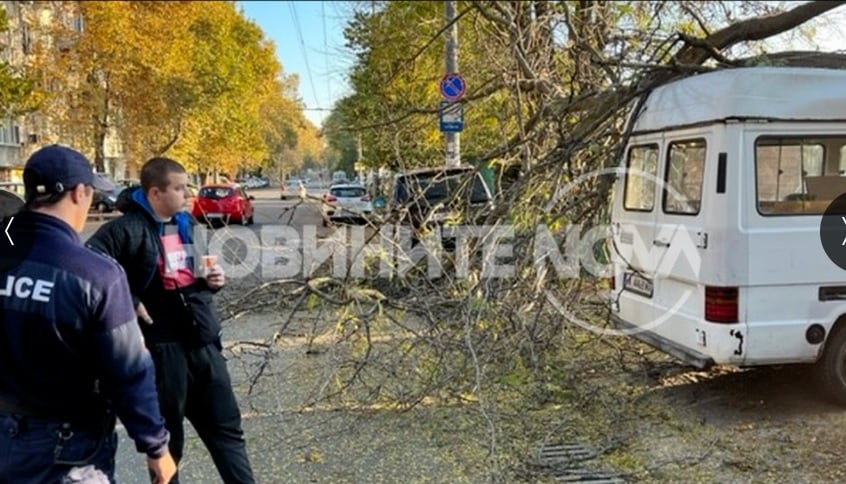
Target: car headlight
(111, 198)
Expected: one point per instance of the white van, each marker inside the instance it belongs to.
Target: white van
(339, 176)
(716, 220)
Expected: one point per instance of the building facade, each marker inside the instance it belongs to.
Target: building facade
(36, 30)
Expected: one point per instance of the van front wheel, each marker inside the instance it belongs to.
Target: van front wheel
(831, 367)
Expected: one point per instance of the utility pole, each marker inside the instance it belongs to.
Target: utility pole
(359, 154)
(453, 139)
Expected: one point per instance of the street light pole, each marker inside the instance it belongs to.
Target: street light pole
(453, 139)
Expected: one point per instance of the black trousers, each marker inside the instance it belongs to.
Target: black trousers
(195, 384)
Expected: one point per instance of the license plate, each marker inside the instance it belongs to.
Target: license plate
(214, 215)
(637, 284)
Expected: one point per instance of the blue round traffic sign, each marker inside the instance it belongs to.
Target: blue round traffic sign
(452, 86)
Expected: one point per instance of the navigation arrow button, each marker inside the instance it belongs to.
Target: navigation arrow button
(7, 230)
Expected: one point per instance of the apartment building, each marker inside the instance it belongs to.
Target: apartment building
(36, 28)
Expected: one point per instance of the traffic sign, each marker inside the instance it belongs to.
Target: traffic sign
(452, 86)
(451, 117)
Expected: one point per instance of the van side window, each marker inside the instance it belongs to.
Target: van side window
(683, 180)
(641, 170)
(791, 174)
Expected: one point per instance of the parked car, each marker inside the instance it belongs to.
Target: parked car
(128, 182)
(104, 200)
(339, 177)
(11, 198)
(257, 182)
(428, 197)
(346, 202)
(222, 204)
(292, 189)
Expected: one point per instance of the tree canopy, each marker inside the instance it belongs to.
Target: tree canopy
(533, 69)
(196, 81)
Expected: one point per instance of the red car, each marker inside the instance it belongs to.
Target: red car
(223, 203)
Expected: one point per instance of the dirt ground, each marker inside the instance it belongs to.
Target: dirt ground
(648, 420)
(731, 425)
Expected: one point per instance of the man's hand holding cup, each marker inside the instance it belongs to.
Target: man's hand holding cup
(213, 272)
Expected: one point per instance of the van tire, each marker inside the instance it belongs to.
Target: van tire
(831, 367)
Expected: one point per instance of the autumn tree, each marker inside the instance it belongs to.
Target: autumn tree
(17, 93)
(190, 80)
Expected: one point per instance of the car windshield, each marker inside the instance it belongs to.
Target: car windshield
(347, 192)
(437, 186)
(216, 192)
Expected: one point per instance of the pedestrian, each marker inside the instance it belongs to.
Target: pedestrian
(71, 354)
(154, 242)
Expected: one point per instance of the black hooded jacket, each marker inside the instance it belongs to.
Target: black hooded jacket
(185, 314)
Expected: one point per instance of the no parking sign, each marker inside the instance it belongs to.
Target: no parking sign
(452, 86)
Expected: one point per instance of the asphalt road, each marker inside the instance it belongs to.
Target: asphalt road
(269, 208)
(286, 444)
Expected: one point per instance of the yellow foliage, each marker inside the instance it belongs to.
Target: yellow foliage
(195, 81)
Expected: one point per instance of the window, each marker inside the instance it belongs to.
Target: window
(78, 24)
(26, 39)
(683, 181)
(348, 192)
(216, 192)
(641, 170)
(10, 133)
(791, 174)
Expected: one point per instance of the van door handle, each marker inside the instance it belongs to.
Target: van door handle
(660, 243)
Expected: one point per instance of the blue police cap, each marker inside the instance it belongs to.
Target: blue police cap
(56, 169)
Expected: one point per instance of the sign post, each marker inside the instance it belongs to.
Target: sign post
(451, 114)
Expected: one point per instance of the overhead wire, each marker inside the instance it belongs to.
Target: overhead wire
(326, 49)
(292, 7)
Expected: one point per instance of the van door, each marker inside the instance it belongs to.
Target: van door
(634, 230)
(680, 240)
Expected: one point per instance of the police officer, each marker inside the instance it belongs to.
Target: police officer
(71, 352)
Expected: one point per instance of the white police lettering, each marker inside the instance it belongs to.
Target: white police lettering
(25, 288)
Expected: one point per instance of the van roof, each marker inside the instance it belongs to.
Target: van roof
(775, 93)
(436, 169)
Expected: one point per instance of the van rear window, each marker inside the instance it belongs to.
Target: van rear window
(641, 169)
(683, 182)
(798, 176)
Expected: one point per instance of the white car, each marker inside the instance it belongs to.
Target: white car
(293, 189)
(256, 182)
(346, 201)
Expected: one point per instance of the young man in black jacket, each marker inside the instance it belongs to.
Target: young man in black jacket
(154, 242)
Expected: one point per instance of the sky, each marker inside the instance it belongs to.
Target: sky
(309, 38)
(310, 43)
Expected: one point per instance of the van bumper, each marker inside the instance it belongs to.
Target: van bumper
(687, 355)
